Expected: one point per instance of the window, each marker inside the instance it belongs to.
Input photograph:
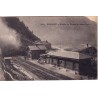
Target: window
(61, 62)
(69, 64)
(54, 61)
(76, 66)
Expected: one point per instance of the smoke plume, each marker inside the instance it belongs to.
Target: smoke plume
(8, 37)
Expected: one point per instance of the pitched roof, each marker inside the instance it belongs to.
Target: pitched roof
(7, 57)
(42, 42)
(69, 54)
(33, 47)
(37, 47)
(42, 47)
(82, 48)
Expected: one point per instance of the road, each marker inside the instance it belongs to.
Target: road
(39, 71)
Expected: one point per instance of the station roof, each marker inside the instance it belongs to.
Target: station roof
(69, 54)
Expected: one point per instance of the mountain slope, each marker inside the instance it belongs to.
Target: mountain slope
(63, 31)
(26, 36)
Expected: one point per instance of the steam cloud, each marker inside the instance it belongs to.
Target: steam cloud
(8, 37)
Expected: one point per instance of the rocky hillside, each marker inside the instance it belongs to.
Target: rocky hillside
(64, 31)
(26, 36)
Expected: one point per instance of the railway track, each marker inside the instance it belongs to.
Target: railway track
(11, 73)
(41, 72)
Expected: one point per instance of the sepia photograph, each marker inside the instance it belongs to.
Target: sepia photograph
(35, 48)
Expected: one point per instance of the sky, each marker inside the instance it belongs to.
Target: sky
(64, 31)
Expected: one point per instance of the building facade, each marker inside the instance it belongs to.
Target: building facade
(78, 62)
(34, 51)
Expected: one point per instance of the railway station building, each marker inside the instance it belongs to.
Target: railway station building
(34, 51)
(45, 43)
(78, 62)
(89, 50)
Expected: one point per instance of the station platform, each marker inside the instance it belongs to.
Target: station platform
(60, 70)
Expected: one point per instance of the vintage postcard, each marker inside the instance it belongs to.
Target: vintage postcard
(48, 48)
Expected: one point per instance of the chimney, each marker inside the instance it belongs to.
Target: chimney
(87, 45)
